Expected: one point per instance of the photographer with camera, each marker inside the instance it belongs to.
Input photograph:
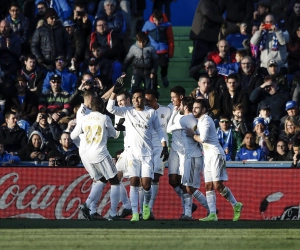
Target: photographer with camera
(44, 124)
(271, 42)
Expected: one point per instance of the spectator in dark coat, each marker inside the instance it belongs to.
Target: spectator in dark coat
(281, 151)
(111, 45)
(37, 148)
(205, 29)
(25, 99)
(233, 95)
(78, 42)
(270, 94)
(292, 21)
(293, 57)
(10, 49)
(51, 40)
(11, 135)
(291, 131)
(66, 146)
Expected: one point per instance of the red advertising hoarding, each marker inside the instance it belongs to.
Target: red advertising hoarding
(56, 193)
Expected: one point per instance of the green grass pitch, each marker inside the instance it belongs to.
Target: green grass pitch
(167, 234)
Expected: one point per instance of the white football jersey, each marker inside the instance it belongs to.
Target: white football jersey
(177, 144)
(95, 128)
(208, 135)
(164, 114)
(139, 127)
(191, 147)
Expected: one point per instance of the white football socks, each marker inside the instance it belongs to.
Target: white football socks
(179, 192)
(201, 199)
(227, 194)
(187, 204)
(114, 199)
(147, 196)
(141, 198)
(134, 198)
(95, 194)
(154, 188)
(211, 201)
(124, 197)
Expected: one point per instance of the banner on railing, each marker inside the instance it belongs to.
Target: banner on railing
(56, 193)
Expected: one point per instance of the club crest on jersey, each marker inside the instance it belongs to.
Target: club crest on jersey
(162, 116)
(147, 117)
(254, 153)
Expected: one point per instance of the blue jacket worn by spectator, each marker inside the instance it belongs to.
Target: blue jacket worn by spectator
(62, 7)
(6, 158)
(68, 80)
(228, 68)
(161, 36)
(244, 154)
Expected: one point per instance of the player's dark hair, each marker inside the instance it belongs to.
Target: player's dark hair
(178, 90)
(97, 104)
(188, 101)
(95, 46)
(29, 56)
(203, 103)
(152, 92)
(242, 52)
(206, 76)
(251, 133)
(14, 4)
(138, 90)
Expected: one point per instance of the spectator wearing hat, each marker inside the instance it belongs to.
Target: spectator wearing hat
(263, 9)
(250, 150)
(279, 73)
(11, 135)
(271, 41)
(24, 99)
(111, 46)
(264, 138)
(78, 42)
(50, 41)
(68, 78)
(56, 101)
(272, 95)
(33, 73)
(292, 110)
(108, 67)
(271, 125)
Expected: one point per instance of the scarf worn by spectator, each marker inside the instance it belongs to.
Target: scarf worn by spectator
(264, 38)
(225, 140)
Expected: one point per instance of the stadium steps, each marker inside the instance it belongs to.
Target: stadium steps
(178, 75)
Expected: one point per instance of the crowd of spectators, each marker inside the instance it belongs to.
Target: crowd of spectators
(246, 60)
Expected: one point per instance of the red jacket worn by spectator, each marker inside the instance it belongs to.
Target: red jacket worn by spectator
(214, 56)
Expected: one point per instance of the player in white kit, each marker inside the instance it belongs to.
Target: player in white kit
(164, 114)
(176, 158)
(94, 129)
(214, 161)
(193, 160)
(97, 186)
(139, 123)
(123, 100)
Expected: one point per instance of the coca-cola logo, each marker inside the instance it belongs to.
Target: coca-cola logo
(47, 201)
